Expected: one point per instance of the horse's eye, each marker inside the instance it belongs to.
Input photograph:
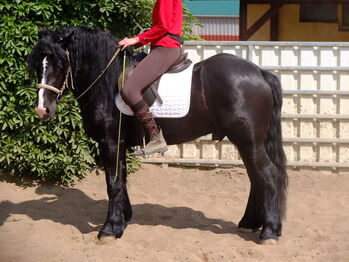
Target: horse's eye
(59, 64)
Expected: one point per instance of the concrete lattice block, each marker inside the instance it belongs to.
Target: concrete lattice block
(289, 57)
(308, 57)
(327, 129)
(269, 57)
(229, 152)
(290, 153)
(344, 129)
(307, 154)
(307, 129)
(209, 151)
(326, 154)
(343, 154)
(308, 81)
(307, 106)
(344, 82)
(344, 106)
(173, 152)
(328, 57)
(289, 106)
(190, 150)
(288, 81)
(327, 82)
(344, 57)
(328, 106)
(288, 129)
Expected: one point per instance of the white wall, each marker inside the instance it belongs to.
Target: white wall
(315, 121)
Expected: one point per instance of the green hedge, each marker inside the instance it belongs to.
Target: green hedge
(56, 150)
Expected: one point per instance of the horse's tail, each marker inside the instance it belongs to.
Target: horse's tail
(273, 143)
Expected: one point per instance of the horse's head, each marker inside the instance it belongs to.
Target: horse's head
(49, 62)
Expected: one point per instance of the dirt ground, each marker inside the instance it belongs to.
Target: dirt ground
(180, 214)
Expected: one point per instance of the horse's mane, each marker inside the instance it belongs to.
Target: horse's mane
(90, 51)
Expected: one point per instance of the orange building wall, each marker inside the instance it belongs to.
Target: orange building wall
(290, 29)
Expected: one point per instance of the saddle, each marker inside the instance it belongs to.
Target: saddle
(150, 93)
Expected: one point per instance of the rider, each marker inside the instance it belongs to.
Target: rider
(165, 50)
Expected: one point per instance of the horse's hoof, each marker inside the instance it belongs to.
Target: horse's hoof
(269, 242)
(248, 230)
(244, 230)
(105, 240)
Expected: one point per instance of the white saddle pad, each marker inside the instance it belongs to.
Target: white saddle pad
(174, 90)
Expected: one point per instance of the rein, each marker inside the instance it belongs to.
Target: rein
(59, 92)
(120, 118)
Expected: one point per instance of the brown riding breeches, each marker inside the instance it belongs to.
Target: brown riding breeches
(156, 63)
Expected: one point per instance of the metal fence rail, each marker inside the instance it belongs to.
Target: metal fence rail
(315, 113)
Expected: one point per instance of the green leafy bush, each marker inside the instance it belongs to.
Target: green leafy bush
(189, 21)
(56, 150)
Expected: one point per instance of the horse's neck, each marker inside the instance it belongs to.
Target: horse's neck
(98, 98)
(88, 76)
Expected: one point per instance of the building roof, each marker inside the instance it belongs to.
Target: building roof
(214, 8)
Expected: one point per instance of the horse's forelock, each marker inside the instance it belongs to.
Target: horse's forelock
(35, 57)
(44, 47)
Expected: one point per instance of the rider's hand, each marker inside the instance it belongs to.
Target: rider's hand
(128, 42)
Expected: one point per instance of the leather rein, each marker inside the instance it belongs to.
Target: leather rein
(69, 74)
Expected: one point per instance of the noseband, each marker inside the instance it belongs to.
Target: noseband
(56, 90)
(51, 88)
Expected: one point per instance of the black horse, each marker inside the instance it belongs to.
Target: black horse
(230, 97)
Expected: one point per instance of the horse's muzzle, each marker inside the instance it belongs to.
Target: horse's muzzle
(43, 113)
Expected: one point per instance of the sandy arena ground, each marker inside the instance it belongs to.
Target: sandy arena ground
(180, 214)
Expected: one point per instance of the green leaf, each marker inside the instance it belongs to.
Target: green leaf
(57, 150)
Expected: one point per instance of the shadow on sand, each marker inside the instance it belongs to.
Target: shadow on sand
(70, 206)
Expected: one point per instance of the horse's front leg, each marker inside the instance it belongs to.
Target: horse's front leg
(253, 217)
(119, 207)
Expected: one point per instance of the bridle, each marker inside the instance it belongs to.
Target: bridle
(56, 90)
(69, 74)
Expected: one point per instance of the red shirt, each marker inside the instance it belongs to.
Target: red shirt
(167, 17)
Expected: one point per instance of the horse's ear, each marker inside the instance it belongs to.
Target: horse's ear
(42, 32)
(67, 40)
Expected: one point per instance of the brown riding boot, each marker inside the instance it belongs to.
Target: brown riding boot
(157, 143)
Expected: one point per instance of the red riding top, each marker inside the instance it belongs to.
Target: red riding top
(167, 17)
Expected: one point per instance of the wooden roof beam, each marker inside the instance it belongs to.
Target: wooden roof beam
(273, 10)
(294, 1)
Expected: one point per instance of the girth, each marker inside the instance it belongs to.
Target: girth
(150, 93)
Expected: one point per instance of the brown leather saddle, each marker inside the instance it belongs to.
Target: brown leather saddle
(150, 94)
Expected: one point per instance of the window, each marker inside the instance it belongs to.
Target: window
(312, 12)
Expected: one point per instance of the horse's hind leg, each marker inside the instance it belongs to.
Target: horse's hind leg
(119, 207)
(262, 208)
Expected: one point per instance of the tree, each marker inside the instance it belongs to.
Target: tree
(58, 149)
